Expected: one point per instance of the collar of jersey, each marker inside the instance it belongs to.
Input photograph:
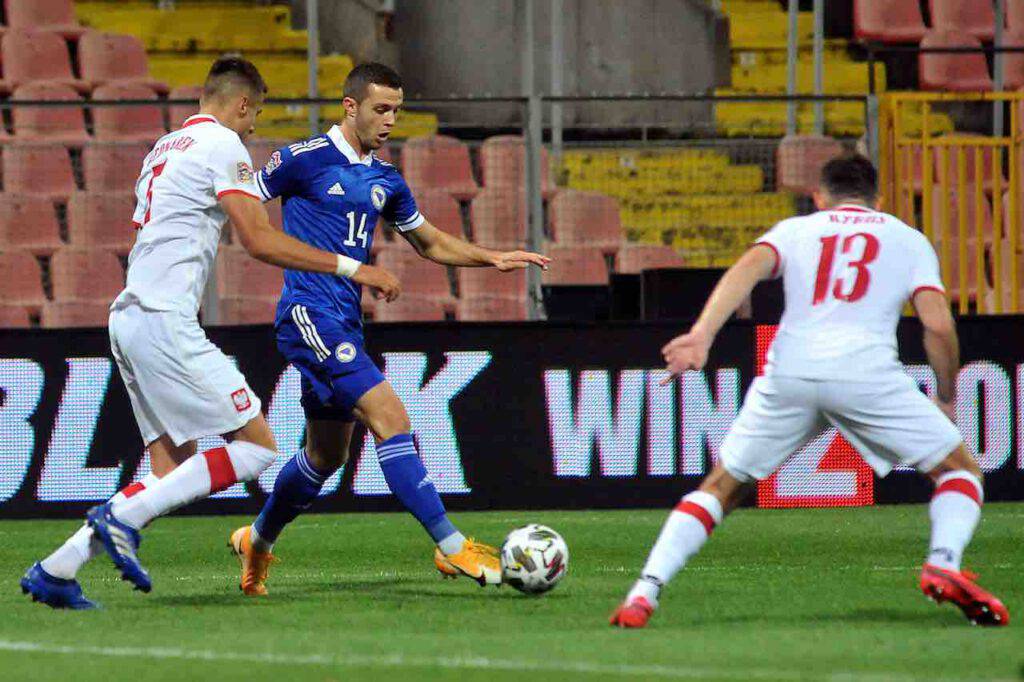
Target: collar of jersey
(199, 118)
(856, 208)
(346, 149)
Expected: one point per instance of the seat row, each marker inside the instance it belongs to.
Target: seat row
(901, 21)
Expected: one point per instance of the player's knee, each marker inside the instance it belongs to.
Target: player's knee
(326, 457)
(958, 460)
(388, 426)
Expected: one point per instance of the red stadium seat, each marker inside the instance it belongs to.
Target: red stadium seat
(975, 17)
(59, 314)
(1013, 62)
(50, 15)
(586, 218)
(576, 265)
(39, 169)
(31, 56)
(179, 112)
(86, 275)
(799, 160)
(969, 163)
(22, 279)
(491, 283)
(497, 216)
(955, 72)
(55, 125)
(113, 166)
(441, 209)
(239, 275)
(438, 161)
(261, 148)
(14, 317)
(29, 223)
(107, 57)
(492, 309)
(127, 123)
(503, 164)
(102, 220)
(892, 21)
(635, 258)
(419, 276)
(1015, 14)
(250, 310)
(410, 308)
(955, 206)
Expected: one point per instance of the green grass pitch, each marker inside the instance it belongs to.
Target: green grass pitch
(776, 595)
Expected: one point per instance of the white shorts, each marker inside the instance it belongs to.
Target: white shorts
(889, 421)
(178, 381)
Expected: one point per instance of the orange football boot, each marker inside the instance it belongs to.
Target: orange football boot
(632, 614)
(255, 565)
(476, 560)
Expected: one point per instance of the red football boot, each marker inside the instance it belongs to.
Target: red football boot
(632, 614)
(980, 607)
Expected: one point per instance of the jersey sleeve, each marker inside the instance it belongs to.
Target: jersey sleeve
(925, 274)
(776, 239)
(231, 167)
(400, 210)
(278, 177)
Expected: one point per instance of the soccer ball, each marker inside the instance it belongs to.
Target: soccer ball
(534, 559)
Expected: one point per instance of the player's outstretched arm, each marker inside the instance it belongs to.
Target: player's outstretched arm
(690, 350)
(264, 242)
(441, 247)
(941, 345)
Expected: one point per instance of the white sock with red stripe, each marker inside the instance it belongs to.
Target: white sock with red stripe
(954, 510)
(684, 533)
(81, 547)
(197, 477)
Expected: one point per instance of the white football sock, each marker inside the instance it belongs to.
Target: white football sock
(197, 477)
(258, 543)
(954, 510)
(452, 544)
(81, 547)
(684, 533)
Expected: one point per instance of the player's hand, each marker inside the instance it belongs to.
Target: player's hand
(687, 351)
(948, 408)
(517, 260)
(381, 282)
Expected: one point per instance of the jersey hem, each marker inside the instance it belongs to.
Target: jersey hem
(238, 191)
(775, 251)
(927, 287)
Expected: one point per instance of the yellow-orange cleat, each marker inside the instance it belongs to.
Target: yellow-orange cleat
(476, 560)
(255, 565)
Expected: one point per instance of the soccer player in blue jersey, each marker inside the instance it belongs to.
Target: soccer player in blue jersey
(332, 190)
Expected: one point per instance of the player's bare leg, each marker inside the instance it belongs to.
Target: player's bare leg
(249, 451)
(381, 411)
(297, 485)
(955, 510)
(687, 529)
(52, 581)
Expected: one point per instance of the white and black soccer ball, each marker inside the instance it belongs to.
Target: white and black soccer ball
(534, 559)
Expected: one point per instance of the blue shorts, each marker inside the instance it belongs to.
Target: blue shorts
(329, 354)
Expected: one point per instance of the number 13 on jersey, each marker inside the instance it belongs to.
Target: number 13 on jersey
(862, 242)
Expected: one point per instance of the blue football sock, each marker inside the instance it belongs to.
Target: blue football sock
(297, 485)
(408, 480)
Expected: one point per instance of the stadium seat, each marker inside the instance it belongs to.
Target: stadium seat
(491, 283)
(85, 275)
(1013, 62)
(503, 164)
(969, 162)
(23, 284)
(1015, 14)
(799, 160)
(441, 209)
(179, 112)
(497, 218)
(249, 310)
(102, 220)
(55, 125)
(974, 17)
(893, 21)
(59, 314)
(239, 275)
(955, 206)
(410, 308)
(576, 265)
(50, 15)
(14, 317)
(491, 309)
(587, 218)
(954, 72)
(107, 57)
(29, 223)
(112, 166)
(260, 149)
(32, 56)
(42, 169)
(635, 258)
(127, 123)
(438, 161)
(419, 276)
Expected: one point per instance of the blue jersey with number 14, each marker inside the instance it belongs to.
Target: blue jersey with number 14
(331, 199)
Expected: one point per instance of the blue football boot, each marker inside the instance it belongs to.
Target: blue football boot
(121, 542)
(57, 593)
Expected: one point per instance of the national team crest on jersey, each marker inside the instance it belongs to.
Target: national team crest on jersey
(241, 400)
(273, 163)
(378, 196)
(345, 352)
(244, 172)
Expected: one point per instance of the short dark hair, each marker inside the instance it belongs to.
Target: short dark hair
(371, 73)
(850, 176)
(231, 71)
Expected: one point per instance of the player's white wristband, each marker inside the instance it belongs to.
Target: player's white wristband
(346, 266)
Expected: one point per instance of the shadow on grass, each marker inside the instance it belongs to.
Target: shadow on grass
(876, 616)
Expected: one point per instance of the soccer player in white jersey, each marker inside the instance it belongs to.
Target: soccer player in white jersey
(847, 271)
(181, 386)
